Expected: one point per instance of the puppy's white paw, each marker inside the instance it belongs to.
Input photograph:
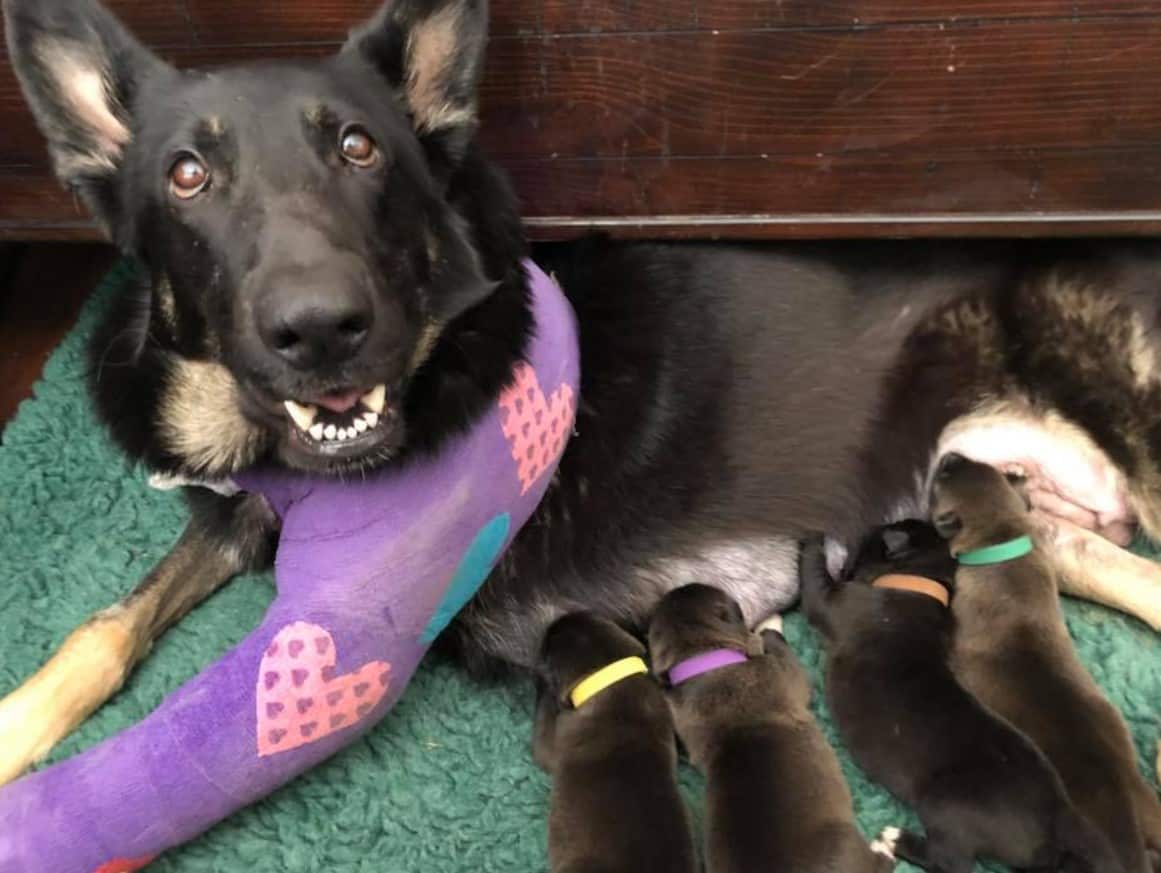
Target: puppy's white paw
(887, 842)
(773, 623)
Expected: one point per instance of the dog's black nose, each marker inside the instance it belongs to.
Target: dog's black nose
(948, 464)
(309, 328)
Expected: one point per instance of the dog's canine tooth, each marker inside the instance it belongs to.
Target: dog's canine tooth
(303, 414)
(375, 399)
(317, 431)
(329, 431)
(372, 418)
(361, 425)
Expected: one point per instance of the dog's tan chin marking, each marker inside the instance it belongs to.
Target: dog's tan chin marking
(88, 669)
(201, 419)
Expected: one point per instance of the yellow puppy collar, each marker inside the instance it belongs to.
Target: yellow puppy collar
(611, 674)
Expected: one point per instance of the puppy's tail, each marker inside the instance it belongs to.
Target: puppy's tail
(1085, 849)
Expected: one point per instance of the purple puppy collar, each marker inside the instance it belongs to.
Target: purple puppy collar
(706, 662)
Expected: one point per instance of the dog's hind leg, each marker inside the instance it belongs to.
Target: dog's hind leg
(225, 536)
(1092, 568)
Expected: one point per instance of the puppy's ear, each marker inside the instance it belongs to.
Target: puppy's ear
(81, 72)
(1020, 486)
(948, 524)
(432, 54)
(895, 542)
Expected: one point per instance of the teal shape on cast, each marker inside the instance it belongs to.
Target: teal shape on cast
(474, 568)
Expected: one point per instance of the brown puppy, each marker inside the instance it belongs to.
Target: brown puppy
(1013, 651)
(605, 733)
(775, 798)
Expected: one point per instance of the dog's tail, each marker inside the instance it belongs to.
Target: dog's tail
(1085, 849)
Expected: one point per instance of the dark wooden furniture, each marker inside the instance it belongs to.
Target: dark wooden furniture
(750, 118)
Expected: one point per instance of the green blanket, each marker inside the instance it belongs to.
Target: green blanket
(446, 783)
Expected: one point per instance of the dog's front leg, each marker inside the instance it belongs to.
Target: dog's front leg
(225, 536)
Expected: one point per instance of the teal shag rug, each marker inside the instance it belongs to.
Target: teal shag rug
(445, 783)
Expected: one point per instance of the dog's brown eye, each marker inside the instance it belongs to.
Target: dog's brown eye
(357, 147)
(189, 177)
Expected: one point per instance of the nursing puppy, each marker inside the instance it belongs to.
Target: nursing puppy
(1012, 650)
(980, 787)
(605, 733)
(775, 799)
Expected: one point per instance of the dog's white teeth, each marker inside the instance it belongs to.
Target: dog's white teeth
(375, 399)
(317, 431)
(361, 425)
(372, 418)
(329, 431)
(303, 414)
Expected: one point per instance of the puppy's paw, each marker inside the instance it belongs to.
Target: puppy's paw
(888, 840)
(773, 623)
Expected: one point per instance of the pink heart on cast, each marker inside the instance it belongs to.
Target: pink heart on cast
(535, 426)
(300, 699)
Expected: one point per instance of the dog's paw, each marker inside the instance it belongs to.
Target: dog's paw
(888, 840)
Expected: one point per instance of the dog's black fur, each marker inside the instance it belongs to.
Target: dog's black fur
(1013, 651)
(775, 797)
(980, 787)
(615, 802)
(732, 398)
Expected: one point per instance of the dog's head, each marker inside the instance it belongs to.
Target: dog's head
(975, 505)
(303, 249)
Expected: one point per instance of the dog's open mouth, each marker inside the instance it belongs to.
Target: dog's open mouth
(345, 422)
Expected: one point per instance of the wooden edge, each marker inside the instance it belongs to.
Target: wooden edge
(741, 227)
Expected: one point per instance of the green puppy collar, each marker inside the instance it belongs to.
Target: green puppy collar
(997, 554)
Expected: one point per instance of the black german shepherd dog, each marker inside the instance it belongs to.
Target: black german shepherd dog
(326, 234)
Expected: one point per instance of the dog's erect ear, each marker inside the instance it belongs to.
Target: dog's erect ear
(80, 70)
(432, 53)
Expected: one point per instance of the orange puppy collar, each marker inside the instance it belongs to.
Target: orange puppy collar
(917, 584)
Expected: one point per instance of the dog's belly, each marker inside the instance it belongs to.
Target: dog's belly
(760, 573)
(1068, 476)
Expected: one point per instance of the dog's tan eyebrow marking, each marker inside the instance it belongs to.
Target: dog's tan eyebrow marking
(315, 114)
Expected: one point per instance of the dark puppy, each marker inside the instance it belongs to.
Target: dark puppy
(1012, 650)
(980, 787)
(606, 736)
(775, 799)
